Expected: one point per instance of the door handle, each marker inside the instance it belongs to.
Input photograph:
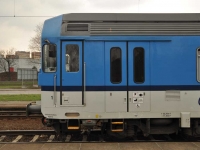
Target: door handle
(54, 100)
(125, 99)
(84, 86)
(130, 100)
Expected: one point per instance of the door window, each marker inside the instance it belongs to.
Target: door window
(72, 58)
(115, 65)
(138, 70)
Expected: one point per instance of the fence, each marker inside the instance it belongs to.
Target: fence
(27, 75)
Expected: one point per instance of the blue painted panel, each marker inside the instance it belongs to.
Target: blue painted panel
(45, 79)
(172, 58)
(52, 27)
(94, 58)
(122, 46)
(145, 46)
(174, 63)
(71, 78)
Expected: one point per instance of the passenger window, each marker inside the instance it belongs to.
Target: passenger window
(115, 65)
(72, 58)
(198, 64)
(138, 66)
(49, 58)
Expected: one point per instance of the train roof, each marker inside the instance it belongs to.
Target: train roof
(132, 17)
(100, 24)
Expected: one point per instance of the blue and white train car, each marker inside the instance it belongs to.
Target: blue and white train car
(126, 73)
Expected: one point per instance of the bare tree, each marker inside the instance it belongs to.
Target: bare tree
(7, 60)
(35, 42)
(3, 65)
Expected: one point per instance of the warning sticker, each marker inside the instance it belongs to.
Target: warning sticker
(137, 105)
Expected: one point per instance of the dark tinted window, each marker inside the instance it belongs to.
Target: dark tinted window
(138, 55)
(72, 58)
(49, 58)
(115, 65)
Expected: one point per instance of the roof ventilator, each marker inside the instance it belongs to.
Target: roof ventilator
(77, 27)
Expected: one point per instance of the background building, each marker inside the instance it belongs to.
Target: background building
(12, 56)
(22, 54)
(36, 55)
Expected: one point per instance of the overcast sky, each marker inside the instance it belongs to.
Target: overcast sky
(16, 31)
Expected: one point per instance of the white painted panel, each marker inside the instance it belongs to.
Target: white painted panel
(59, 113)
(116, 101)
(188, 102)
(71, 98)
(47, 99)
(94, 102)
(102, 105)
(185, 119)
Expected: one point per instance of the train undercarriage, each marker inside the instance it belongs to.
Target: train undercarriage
(123, 128)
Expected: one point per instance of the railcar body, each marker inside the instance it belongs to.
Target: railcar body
(126, 73)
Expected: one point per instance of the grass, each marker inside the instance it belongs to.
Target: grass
(17, 84)
(21, 97)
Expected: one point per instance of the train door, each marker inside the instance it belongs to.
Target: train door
(71, 73)
(116, 76)
(127, 77)
(138, 76)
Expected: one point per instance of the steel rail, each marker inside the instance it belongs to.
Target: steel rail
(20, 116)
(27, 132)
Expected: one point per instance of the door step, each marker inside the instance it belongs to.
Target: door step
(73, 124)
(117, 125)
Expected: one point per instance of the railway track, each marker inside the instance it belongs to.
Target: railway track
(21, 136)
(46, 136)
(17, 136)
